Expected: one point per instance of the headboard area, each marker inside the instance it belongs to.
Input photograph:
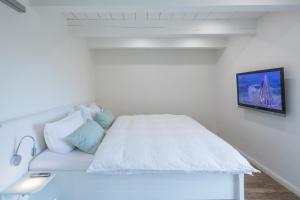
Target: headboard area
(12, 131)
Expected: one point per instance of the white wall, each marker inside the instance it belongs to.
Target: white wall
(41, 67)
(144, 81)
(272, 140)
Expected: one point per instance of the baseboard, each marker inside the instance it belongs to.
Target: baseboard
(291, 187)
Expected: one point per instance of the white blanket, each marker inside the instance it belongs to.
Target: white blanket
(160, 143)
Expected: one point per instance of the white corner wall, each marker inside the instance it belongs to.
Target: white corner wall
(41, 66)
(271, 141)
(153, 81)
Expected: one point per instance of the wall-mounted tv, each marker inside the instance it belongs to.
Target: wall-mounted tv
(262, 90)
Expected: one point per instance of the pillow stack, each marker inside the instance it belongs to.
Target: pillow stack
(78, 130)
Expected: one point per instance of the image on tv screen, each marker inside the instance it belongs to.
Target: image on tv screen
(261, 89)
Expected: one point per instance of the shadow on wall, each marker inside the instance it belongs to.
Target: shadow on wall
(155, 57)
(286, 122)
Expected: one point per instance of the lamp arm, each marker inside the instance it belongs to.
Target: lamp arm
(33, 153)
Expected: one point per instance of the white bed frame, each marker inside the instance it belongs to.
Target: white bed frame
(161, 186)
(78, 185)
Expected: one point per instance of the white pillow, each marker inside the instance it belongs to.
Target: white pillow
(56, 132)
(94, 109)
(86, 113)
(89, 112)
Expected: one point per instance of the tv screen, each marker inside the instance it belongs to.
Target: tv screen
(262, 89)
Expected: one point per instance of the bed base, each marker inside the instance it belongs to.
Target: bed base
(200, 186)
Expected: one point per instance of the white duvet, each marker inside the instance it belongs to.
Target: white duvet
(160, 143)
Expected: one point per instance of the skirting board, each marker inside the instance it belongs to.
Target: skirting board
(272, 174)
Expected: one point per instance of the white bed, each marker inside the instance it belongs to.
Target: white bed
(149, 157)
(76, 160)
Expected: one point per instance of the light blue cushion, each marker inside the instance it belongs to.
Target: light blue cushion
(105, 119)
(88, 137)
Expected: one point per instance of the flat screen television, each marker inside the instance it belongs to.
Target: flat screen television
(262, 90)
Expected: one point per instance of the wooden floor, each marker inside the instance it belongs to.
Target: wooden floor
(262, 187)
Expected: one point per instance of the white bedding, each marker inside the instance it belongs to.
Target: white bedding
(76, 160)
(159, 143)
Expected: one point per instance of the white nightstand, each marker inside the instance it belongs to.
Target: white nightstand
(27, 185)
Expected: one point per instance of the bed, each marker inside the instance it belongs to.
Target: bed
(49, 161)
(149, 157)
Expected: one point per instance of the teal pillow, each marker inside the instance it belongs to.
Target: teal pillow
(105, 119)
(88, 137)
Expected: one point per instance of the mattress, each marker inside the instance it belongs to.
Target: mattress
(76, 160)
(165, 143)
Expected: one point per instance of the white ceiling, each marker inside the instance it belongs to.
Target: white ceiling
(165, 24)
(126, 20)
(168, 5)
(162, 29)
(160, 15)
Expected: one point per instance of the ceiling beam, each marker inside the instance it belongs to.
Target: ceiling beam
(168, 43)
(168, 5)
(135, 28)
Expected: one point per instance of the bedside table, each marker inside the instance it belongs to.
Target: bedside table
(28, 185)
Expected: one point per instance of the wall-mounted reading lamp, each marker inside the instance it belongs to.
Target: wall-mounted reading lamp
(15, 5)
(17, 158)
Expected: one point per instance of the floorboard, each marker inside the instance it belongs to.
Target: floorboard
(262, 187)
